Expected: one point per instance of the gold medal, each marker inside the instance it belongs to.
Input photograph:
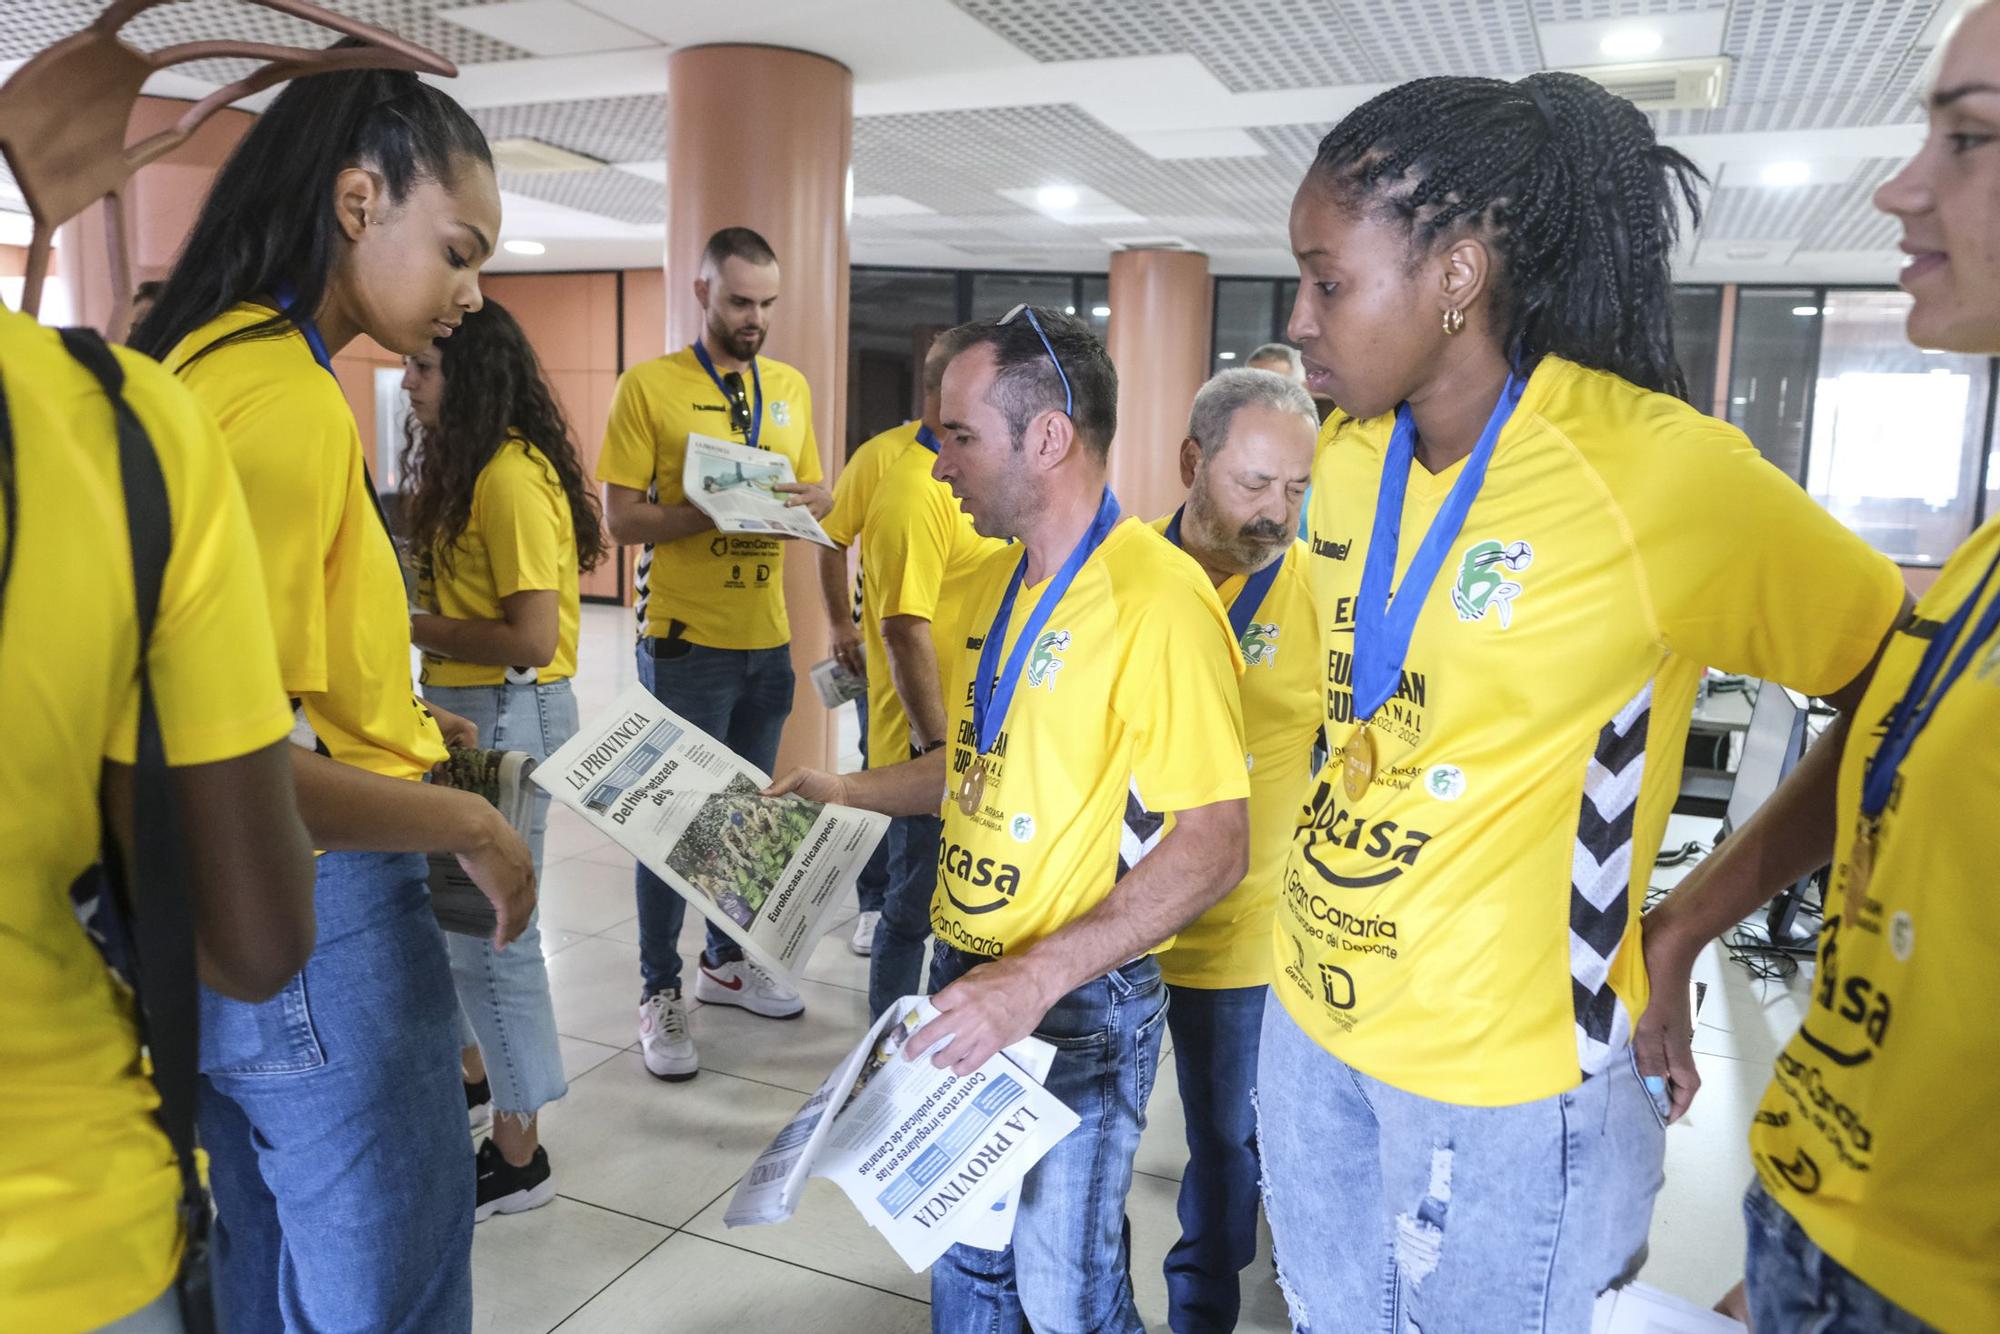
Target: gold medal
(972, 788)
(1860, 868)
(1357, 763)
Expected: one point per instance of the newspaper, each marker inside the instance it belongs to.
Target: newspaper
(1638, 1309)
(764, 870)
(837, 685)
(732, 484)
(929, 1158)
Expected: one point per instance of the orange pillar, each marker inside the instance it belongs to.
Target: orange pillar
(160, 203)
(1161, 303)
(761, 137)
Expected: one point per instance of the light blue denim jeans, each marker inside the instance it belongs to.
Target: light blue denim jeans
(503, 995)
(1069, 1270)
(1794, 1285)
(1393, 1212)
(335, 1123)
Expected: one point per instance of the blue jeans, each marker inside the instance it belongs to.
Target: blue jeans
(1391, 1211)
(1794, 1285)
(741, 697)
(335, 1123)
(874, 879)
(896, 966)
(503, 995)
(1215, 1063)
(1069, 1270)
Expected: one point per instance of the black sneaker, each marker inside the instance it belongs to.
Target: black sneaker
(507, 1189)
(479, 1106)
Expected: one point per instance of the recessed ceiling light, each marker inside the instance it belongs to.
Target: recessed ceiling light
(1101, 312)
(1931, 351)
(1225, 356)
(1805, 311)
(519, 247)
(1056, 197)
(1786, 173)
(1630, 43)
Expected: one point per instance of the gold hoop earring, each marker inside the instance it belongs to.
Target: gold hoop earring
(1454, 321)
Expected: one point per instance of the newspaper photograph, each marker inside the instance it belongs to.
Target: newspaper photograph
(735, 485)
(764, 870)
(836, 685)
(931, 1159)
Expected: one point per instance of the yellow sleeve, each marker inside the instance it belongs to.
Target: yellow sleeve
(630, 457)
(213, 659)
(807, 465)
(843, 521)
(1177, 691)
(1749, 574)
(514, 509)
(905, 545)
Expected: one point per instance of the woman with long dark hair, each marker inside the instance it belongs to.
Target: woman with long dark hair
(499, 521)
(1528, 548)
(359, 203)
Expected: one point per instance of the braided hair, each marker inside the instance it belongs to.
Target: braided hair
(1566, 181)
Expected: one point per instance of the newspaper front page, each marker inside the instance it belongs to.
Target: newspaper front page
(929, 1158)
(733, 485)
(763, 869)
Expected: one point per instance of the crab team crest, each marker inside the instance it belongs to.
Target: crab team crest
(1483, 583)
(1045, 661)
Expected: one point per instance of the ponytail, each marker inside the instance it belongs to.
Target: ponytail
(1569, 183)
(268, 222)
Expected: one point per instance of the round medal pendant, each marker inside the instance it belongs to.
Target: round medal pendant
(1357, 763)
(972, 788)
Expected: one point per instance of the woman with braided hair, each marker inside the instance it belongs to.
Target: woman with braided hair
(1528, 548)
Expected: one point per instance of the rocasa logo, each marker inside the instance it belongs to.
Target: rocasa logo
(1386, 847)
(960, 867)
(1331, 550)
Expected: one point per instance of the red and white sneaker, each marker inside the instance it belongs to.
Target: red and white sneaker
(747, 985)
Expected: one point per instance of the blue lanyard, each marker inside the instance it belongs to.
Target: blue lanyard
(991, 695)
(1913, 711)
(756, 380)
(926, 438)
(1249, 597)
(1382, 628)
(287, 296)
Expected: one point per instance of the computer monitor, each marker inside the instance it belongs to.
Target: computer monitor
(1772, 747)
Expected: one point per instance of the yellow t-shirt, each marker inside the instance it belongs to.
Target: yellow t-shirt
(724, 591)
(1878, 1132)
(519, 538)
(1127, 709)
(334, 580)
(918, 547)
(1468, 930)
(854, 489)
(1230, 944)
(88, 1184)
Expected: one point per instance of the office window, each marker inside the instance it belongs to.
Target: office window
(1697, 335)
(892, 315)
(994, 294)
(1288, 295)
(1772, 368)
(1896, 431)
(1096, 307)
(1244, 316)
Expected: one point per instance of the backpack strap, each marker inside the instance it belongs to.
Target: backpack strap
(161, 911)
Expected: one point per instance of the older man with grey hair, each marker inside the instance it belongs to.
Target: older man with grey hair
(1246, 460)
(1280, 359)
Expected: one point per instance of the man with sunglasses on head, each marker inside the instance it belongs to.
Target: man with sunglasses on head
(1094, 692)
(713, 643)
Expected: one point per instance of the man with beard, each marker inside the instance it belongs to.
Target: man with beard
(1246, 460)
(713, 630)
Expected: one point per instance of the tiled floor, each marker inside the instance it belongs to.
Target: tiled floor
(635, 1241)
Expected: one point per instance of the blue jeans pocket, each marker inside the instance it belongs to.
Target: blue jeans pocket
(1146, 1038)
(273, 1037)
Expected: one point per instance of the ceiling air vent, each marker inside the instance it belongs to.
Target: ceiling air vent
(1669, 85)
(523, 154)
(1149, 243)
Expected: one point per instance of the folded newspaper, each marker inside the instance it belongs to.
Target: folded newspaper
(764, 870)
(837, 685)
(500, 776)
(931, 1159)
(734, 485)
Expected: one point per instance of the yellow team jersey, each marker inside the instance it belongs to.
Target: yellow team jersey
(1127, 709)
(88, 1185)
(1878, 1133)
(854, 489)
(1230, 944)
(721, 591)
(1468, 930)
(918, 548)
(331, 572)
(519, 538)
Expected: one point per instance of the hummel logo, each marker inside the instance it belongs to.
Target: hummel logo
(1335, 550)
(707, 407)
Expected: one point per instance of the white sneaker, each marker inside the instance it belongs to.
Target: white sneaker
(742, 983)
(665, 1039)
(864, 933)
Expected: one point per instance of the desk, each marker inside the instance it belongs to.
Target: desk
(1717, 718)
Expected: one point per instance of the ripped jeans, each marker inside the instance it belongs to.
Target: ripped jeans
(1391, 1212)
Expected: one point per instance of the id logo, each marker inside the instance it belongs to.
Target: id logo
(1022, 827)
